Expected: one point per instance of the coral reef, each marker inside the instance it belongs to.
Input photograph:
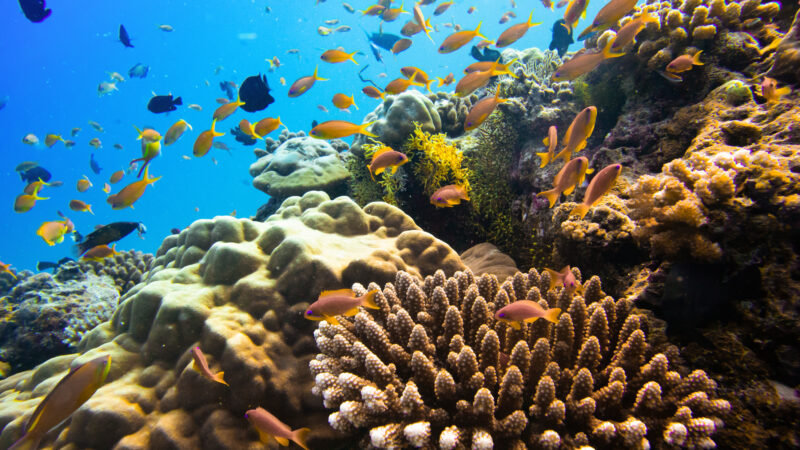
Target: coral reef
(452, 111)
(45, 316)
(785, 62)
(237, 289)
(486, 258)
(433, 367)
(126, 268)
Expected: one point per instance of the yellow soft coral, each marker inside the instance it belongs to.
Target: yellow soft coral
(437, 162)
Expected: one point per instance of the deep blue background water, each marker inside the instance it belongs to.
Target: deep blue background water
(51, 71)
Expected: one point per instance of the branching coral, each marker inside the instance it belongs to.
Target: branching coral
(126, 269)
(433, 367)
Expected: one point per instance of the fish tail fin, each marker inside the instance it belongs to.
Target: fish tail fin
(300, 436)
(354, 104)
(546, 141)
(177, 101)
(545, 156)
(369, 300)
(372, 175)
(317, 77)
(441, 81)
(219, 378)
(564, 154)
(551, 196)
(478, 31)
(580, 210)
(696, 59)
(138, 131)
(427, 26)
(779, 92)
(555, 276)
(428, 85)
(89, 208)
(350, 57)
(188, 125)
(27, 442)
(607, 53)
(551, 315)
(332, 320)
(363, 129)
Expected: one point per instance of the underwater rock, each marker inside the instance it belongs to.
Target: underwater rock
(452, 111)
(486, 258)
(127, 268)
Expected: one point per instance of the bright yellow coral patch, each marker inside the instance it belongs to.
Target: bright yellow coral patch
(436, 161)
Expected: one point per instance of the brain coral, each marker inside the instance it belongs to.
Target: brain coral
(432, 367)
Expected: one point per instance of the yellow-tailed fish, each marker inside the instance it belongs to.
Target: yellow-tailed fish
(303, 84)
(80, 206)
(151, 147)
(51, 139)
(391, 14)
(475, 80)
(515, 32)
(266, 126)
(770, 90)
(131, 193)
(200, 364)
(386, 158)
(6, 268)
(204, 142)
(34, 187)
(578, 132)
(458, 39)
(525, 311)
(481, 110)
(335, 129)
(374, 10)
(337, 56)
(568, 178)
(583, 63)
(372, 91)
(598, 187)
(575, 10)
(446, 81)
(608, 16)
(550, 141)
(99, 253)
(68, 395)
(627, 34)
(342, 302)
(422, 23)
(449, 196)
(564, 278)
(269, 427)
(24, 202)
(226, 110)
(419, 76)
(176, 131)
(482, 66)
(399, 85)
(342, 101)
(52, 232)
(106, 188)
(248, 128)
(84, 184)
(442, 7)
(116, 176)
(401, 46)
(684, 63)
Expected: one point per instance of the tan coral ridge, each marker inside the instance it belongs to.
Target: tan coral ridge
(236, 288)
(433, 367)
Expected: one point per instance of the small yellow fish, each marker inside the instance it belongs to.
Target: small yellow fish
(200, 364)
(131, 193)
(684, 63)
(266, 126)
(226, 110)
(515, 32)
(337, 56)
(79, 206)
(99, 253)
(342, 101)
(598, 187)
(482, 110)
(386, 158)
(578, 132)
(336, 129)
(204, 141)
(51, 139)
(459, 39)
(770, 90)
(52, 232)
(449, 196)
(342, 302)
(550, 141)
(24, 202)
(303, 84)
(34, 187)
(568, 178)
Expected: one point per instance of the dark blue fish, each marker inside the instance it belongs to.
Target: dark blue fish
(34, 174)
(3, 102)
(123, 37)
(93, 164)
(163, 103)
(487, 55)
(229, 88)
(254, 92)
(138, 71)
(35, 10)
(106, 235)
(562, 37)
(46, 265)
(383, 40)
(245, 139)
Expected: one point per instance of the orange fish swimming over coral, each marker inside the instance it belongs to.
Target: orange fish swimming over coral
(386, 158)
(598, 187)
(342, 302)
(525, 311)
(200, 364)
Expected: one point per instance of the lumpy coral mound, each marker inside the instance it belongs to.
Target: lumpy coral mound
(432, 367)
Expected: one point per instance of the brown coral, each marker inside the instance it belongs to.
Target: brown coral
(432, 366)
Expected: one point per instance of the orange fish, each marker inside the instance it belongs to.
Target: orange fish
(336, 129)
(386, 158)
(481, 110)
(578, 132)
(200, 364)
(6, 268)
(391, 14)
(268, 426)
(608, 16)
(476, 80)
(203, 142)
(400, 85)
(131, 193)
(303, 84)
(568, 178)
(99, 252)
(372, 91)
(374, 10)
(52, 232)
(151, 147)
(176, 131)
(515, 32)
(550, 141)
(598, 187)
(401, 46)
(525, 311)
(248, 128)
(226, 110)
(77, 205)
(446, 81)
(267, 126)
(34, 187)
(583, 62)
(770, 91)
(449, 196)
(342, 302)
(684, 63)
(627, 34)
(564, 278)
(418, 75)
(483, 66)
(422, 23)
(575, 10)
(410, 28)
(460, 38)
(337, 56)
(84, 184)
(116, 176)
(342, 101)
(24, 202)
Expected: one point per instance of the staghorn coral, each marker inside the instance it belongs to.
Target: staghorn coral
(433, 367)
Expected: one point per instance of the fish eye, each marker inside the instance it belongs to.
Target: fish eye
(501, 315)
(309, 312)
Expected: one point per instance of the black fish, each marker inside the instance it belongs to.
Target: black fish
(138, 71)
(34, 174)
(163, 103)
(254, 92)
(229, 88)
(106, 235)
(123, 37)
(34, 10)
(3, 102)
(314, 123)
(487, 55)
(383, 40)
(175, 231)
(93, 164)
(245, 139)
(562, 37)
(46, 265)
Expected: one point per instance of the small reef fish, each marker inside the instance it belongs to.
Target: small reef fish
(6, 268)
(607, 17)
(550, 141)
(342, 302)
(374, 10)
(336, 129)
(475, 80)
(51, 139)
(79, 206)
(131, 193)
(564, 278)
(400, 85)
(348, 8)
(106, 235)
(598, 187)
(303, 84)
(68, 395)
(24, 202)
(770, 90)
(418, 75)
(446, 81)
(138, 71)
(106, 188)
(331, 22)
(84, 184)
(323, 31)
(266, 126)
(576, 9)
(195, 107)
(53, 232)
(200, 364)
(176, 131)
(449, 196)
(204, 141)
(34, 187)
(515, 32)
(422, 23)
(97, 127)
(684, 63)
(118, 146)
(116, 176)
(247, 128)
(578, 132)
(471, 10)
(442, 8)
(583, 62)
(525, 311)
(482, 110)
(391, 14)
(373, 92)
(568, 178)
(105, 88)
(116, 76)
(151, 147)
(342, 101)
(163, 103)
(30, 139)
(337, 56)
(410, 28)
(386, 158)
(224, 111)
(342, 29)
(74, 132)
(96, 143)
(459, 39)
(482, 66)
(167, 28)
(627, 34)
(268, 426)
(124, 37)
(401, 46)
(99, 253)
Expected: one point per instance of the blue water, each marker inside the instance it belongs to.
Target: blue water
(52, 69)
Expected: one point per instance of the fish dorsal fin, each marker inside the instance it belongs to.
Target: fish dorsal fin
(347, 292)
(381, 151)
